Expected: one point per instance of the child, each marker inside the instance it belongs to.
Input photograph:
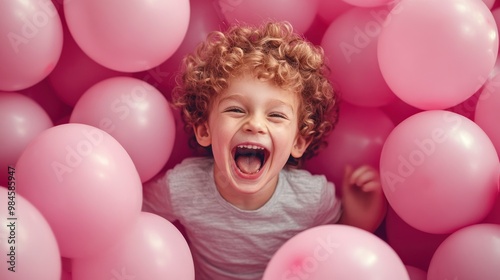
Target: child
(259, 100)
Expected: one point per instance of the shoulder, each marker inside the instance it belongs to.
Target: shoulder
(306, 188)
(310, 196)
(190, 172)
(194, 162)
(193, 166)
(303, 179)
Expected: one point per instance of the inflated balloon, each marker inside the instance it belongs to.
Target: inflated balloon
(84, 183)
(335, 252)
(469, 253)
(134, 113)
(368, 3)
(152, 249)
(21, 120)
(489, 3)
(436, 54)
(29, 247)
(76, 72)
(494, 215)
(416, 273)
(468, 107)
(66, 276)
(66, 265)
(413, 246)
(486, 110)
(128, 36)
(352, 142)
(439, 171)
(204, 19)
(45, 96)
(316, 31)
(350, 44)
(182, 148)
(329, 10)
(32, 39)
(300, 13)
(496, 15)
(399, 110)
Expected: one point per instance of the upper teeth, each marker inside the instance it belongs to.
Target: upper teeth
(250, 147)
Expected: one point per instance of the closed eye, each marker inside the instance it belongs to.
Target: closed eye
(278, 115)
(234, 110)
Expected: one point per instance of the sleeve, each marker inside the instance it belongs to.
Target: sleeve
(329, 207)
(157, 198)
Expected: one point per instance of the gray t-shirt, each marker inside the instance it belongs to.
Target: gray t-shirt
(230, 243)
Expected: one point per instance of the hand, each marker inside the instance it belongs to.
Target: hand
(366, 178)
(363, 200)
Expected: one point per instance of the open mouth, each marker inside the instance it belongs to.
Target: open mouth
(250, 158)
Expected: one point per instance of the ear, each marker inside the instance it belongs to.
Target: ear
(202, 133)
(300, 146)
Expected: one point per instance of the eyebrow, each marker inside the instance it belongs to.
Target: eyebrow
(241, 97)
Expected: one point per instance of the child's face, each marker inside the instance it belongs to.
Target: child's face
(253, 129)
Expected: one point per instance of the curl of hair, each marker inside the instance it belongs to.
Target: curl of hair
(271, 52)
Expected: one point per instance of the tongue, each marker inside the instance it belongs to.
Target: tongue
(248, 164)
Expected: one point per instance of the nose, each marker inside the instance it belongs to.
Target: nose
(255, 124)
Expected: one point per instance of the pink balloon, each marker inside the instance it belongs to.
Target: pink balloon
(487, 113)
(300, 13)
(494, 215)
(66, 264)
(368, 3)
(128, 36)
(134, 113)
(181, 148)
(489, 3)
(21, 120)
(468, 107)
(350, 44)
(413, 246)
(329, 10)
(204, 19)
(31, 43)
(490, 85)
(28, 245)
(416, 273)
(398, 110)
(152, 249)
(84, 183)
(316, 31)
(335, 252)
(352, 142)
(470, 253)
(439, 171)
(66, 276)
(436, 54)
(44, 95)
(76, 72)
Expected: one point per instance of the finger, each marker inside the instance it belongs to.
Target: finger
(365, 178)
(371, 186)
(360, 172)
(346, 182)
(348, 170)
(368, 181)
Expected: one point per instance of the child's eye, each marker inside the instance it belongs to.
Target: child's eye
(234, 110)
(278, 115)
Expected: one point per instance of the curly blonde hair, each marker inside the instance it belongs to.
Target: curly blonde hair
(273, 53)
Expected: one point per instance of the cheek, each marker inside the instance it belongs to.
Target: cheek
(221, 136)
(284, 138)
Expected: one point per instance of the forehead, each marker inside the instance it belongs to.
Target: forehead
(250, 87)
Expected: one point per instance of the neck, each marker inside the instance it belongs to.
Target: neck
(247, 200)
